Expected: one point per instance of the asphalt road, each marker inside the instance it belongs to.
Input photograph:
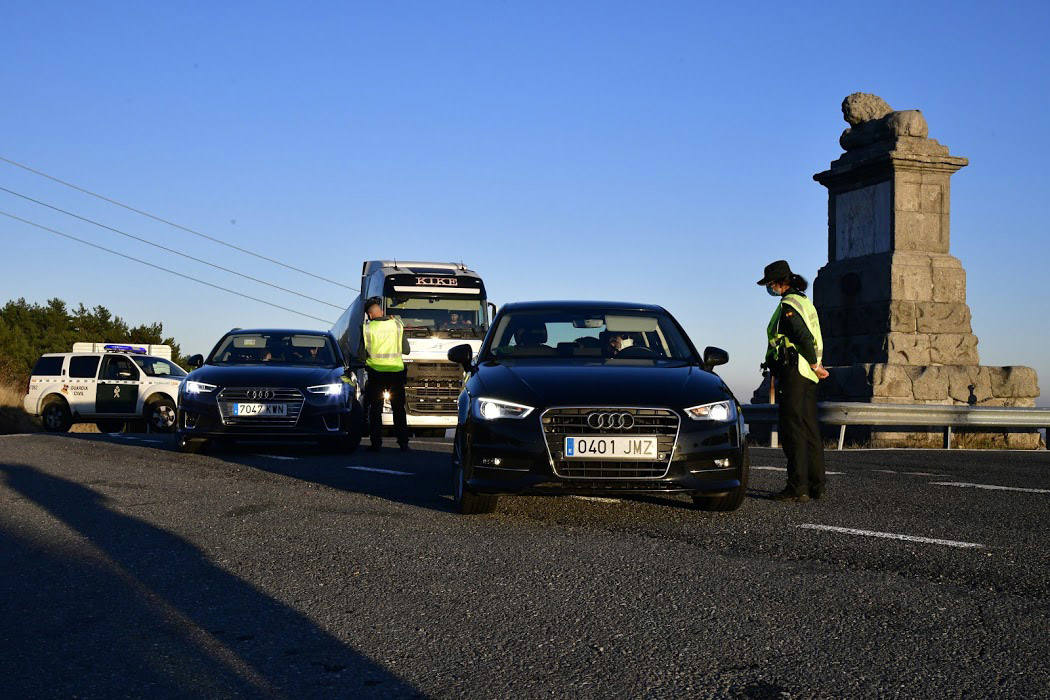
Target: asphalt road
(127, 569)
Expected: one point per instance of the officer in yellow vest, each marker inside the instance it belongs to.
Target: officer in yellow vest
(794, 355)
(383, 349)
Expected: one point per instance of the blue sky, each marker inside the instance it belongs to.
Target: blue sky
(660, 152)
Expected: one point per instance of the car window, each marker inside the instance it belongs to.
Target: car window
(278, 348)
(83, 367)
(118, 368)
(159, 367)
(48, 367)
(589, 333)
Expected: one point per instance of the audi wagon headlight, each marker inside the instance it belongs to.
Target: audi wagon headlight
(327, 389)
(197, 387)
(493, 409)
(718, 411)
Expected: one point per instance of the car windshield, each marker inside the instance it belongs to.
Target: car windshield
(596, 334)
(439, 315)
(276, 348)
(158, 367)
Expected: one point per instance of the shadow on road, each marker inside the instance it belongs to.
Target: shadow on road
(142, 612)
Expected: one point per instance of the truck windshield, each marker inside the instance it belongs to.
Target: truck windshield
(440, 315)
(279, 348)
(597, 334)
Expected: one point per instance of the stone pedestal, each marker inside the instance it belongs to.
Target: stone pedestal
(891, 299)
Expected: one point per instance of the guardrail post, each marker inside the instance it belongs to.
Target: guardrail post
(842, 435)
(948, 438)
(773, 437)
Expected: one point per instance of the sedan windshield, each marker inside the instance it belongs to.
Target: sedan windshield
(276, 348)
(158, 366)
(597, 334)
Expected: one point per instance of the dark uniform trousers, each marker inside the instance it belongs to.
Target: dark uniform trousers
(800, 432)
(378, 382)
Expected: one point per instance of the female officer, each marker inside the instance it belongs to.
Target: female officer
(794, 358)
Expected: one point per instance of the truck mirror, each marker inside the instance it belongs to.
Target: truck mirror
(462, 355)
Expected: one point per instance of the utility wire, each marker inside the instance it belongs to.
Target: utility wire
(171, 223)
(169, 250)
(163, 269)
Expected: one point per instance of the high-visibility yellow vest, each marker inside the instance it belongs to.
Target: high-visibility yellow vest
(383, 343)
(779, 343)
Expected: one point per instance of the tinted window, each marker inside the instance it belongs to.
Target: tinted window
(48, 367)
(278, 348)
(158, 367)
(83, 367)
(118, 367)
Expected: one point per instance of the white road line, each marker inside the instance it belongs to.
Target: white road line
(884, 471)
(784, 469)
(922, 473)
(598, 499)
(277, 457)
(990, 487)
(891, 536)
(380, 471)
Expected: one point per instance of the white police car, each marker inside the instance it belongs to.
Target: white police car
(110, 386)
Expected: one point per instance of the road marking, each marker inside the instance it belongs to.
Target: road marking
(277, 457)
(380, 471)
(921, 473)
(784, 469)
(990, 487)
(892, 536)
(598, 499)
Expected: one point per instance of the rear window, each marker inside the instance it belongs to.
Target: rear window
(83, 367)
(48, 367)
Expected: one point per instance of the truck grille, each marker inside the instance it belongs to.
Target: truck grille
(561, 422)
(432, 388)
(229, 396)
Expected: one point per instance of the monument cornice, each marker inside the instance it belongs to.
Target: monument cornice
(844, 174)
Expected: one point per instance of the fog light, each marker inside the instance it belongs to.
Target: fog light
(722, 462)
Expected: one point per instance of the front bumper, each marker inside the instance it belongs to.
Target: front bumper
(511, 457)
(199, 417)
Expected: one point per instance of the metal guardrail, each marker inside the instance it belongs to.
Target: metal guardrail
(949, 418)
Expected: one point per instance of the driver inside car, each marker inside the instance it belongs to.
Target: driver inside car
(615, 343)
(531, 340)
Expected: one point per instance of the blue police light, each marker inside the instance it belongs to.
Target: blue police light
(125, 348)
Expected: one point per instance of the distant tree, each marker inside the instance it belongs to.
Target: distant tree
(29, 330)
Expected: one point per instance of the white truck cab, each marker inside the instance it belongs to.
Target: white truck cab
(108, 384)
(441, 305)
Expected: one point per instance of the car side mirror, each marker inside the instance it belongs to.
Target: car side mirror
(714, 356)
(195, 361)
(462, 355)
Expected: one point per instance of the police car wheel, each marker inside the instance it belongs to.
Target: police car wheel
(161, 416)
(728, 501)
(56, 417)
(467, 502)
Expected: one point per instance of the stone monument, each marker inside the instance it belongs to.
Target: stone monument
(892, 300)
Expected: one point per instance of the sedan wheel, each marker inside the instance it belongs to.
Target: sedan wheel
(468, 502)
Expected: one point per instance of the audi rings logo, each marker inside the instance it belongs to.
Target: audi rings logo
(260, 393)
(610, 421)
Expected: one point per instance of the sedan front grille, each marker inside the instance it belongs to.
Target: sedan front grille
(558, 423)
(293, 398)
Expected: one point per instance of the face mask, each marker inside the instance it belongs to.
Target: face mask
(625, 343)
(769, 288)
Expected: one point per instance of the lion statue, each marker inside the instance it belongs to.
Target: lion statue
(872, 120)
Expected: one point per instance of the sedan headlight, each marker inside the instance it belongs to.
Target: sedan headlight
(194, 388)
(327, 389)
(720, 411)
(494, 409)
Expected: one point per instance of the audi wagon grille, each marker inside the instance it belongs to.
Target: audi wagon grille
(595, 421)
(292, 398)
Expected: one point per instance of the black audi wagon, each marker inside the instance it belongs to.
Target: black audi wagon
(271, 384)
(581, 397)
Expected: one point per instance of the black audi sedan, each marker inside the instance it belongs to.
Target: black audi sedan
(597, 398)
(270, 384)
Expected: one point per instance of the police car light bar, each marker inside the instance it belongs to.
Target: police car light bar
(125, 348)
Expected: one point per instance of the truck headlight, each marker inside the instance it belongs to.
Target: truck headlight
(327, 389)
(719, 411)
(494, 409)
(194, 388)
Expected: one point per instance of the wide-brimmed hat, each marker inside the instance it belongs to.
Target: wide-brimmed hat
(776, 271)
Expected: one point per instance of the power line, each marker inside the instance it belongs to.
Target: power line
(159, 267)
(78, 188)
(167, 249)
